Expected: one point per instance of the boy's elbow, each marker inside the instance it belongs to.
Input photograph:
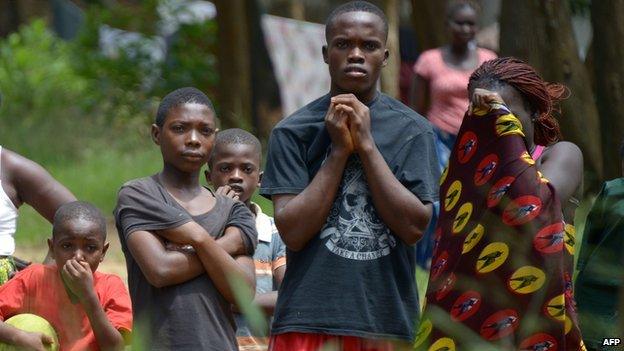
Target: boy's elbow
(292, 244)
(288, 238)
(295, 247)
(414, 231)
(155, 281)
(414, 236)
(158, 277)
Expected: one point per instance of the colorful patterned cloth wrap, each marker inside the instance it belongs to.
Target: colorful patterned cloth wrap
(503, 257)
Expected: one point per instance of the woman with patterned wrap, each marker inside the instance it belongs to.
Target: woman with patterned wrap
(503, 258)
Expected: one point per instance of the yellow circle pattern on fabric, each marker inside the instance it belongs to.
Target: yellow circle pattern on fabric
(555, 308)
(443, 176)
(570, 238)
(473, 238)
(508, 125)
(527, 158)
(568, 325)
(527, 279)
(478, 111)
(462, 217)
(452, 195)
(541, 177)
(423, 332)
(443, 344)
(492, 257)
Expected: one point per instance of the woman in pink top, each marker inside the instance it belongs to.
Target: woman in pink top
(442, 74)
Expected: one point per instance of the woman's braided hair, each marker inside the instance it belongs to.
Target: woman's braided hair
(541, 97)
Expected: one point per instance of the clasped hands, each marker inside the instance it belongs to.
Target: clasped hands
(349, 126)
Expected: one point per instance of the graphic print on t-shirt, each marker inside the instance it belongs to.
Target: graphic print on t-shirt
(354, 229)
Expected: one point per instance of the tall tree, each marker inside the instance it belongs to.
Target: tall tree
(297, 10)
(608, 50)
(234, 63)
(390, 74)
(265, 92)
(540, 32)
(428, 18)
(10, 17)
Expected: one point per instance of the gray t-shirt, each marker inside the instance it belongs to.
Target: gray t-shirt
(355, 277)
(192, 315)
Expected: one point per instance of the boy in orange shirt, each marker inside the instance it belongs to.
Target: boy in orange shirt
(89, 310)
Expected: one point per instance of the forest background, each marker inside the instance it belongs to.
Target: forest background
(83, 111)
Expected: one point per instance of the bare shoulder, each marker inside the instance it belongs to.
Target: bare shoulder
(33, 185)
(18, 166)
(564, 151)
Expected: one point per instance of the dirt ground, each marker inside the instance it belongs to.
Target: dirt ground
(114, 261)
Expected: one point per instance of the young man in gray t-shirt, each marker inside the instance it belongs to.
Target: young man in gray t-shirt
(181, 241)
(352, 176)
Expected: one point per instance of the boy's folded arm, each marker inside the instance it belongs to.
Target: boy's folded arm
(160, 266)
(231, 241)
(219, 264)
(223, 269)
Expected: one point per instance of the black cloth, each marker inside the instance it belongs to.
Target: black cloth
(188, 316)
(355, 277)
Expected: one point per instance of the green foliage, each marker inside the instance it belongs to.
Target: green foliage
(41, 93)
(85, 116)
(192, 60)
(120, 79)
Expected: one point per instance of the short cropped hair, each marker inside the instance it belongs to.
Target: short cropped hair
(356, 6)
(78, 210)
(235, 136)
(455, 5)
(178, 97)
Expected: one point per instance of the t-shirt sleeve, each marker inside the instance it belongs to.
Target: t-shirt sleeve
(278, 256)
(285, 171)
(242, 218)
(422, 67)
(417, 166)
(140, 208)
(12, 295)
(117, 306)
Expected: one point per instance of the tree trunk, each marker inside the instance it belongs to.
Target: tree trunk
(10, 17)
(297, 10)
(266, 101)
(234, 63)
(540, 32)
(608, 50)
(429, 19)
(390, 73)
